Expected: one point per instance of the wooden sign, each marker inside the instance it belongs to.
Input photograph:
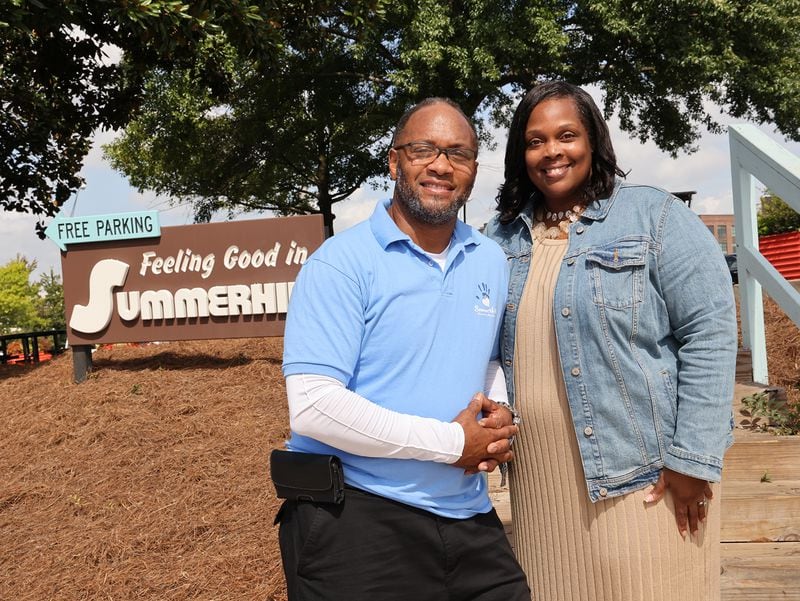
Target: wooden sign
(215, 280)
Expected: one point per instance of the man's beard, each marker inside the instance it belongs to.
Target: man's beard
(431, 215)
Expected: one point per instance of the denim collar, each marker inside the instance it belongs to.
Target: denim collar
(598, 209)
(595, 210)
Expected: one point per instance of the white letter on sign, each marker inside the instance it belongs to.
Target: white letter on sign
(96, 314)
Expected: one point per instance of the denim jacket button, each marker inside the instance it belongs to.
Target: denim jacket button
(511, 307)
(579, 229)
(508, 362)
(571, 261)
(565, 311)
(587, 431)
(603, 492)
(575, 371)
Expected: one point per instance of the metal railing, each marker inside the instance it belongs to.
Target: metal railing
(754, 154)
(30, 344)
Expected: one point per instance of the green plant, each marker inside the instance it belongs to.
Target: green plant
(778, 415)
(776, 217)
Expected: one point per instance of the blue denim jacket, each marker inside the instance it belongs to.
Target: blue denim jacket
(645, 323)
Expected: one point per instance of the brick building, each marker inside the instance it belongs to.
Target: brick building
(723, 229)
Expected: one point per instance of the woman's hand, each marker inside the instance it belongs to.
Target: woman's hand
(690, 496)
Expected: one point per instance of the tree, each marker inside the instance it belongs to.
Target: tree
(660, 65)
(293, 140)
(776, 217)
(51, 302)
(57, 85)
(19, 298)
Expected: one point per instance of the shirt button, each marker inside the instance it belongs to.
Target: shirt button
(565, 311)
(571, 261)
(430, 263)
(579, 229)
(588, 431)
(575, 371)
(603, 492)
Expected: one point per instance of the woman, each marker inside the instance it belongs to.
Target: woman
(619, 348)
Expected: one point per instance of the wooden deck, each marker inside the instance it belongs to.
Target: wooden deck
(760, 520)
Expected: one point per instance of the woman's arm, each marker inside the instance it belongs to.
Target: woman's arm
(698, 294)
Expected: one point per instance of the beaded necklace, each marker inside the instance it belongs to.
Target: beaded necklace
(542, 232)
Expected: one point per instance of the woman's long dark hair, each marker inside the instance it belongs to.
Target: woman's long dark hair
(517, 189)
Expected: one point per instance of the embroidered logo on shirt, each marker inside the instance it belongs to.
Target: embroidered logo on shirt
(484, 298)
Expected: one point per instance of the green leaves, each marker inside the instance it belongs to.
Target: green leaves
(26, 305)
(294, 136)
(19, 298)
(776, 217)
(660, 63)
(781, 417)
(55, 91)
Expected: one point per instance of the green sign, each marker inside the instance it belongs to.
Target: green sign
(102, 228)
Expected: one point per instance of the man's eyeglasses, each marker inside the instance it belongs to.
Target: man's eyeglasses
(423, 153)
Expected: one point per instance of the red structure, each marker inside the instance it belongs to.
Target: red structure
(783, 251)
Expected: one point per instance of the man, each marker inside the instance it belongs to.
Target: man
(390, 330)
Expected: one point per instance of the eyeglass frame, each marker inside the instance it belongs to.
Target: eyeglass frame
(439, 152)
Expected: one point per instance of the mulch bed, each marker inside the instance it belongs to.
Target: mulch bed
(783, 350)
(149, 480)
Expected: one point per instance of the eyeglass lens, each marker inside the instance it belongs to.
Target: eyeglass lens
(421, 152)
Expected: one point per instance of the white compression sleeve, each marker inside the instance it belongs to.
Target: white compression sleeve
(495, 385)
(322, 408)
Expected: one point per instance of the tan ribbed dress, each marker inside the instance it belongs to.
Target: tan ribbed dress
(570, 548)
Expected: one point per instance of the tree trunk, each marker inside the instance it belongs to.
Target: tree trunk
(327, 213)
(324, 194)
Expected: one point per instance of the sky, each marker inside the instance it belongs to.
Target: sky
(706, 171)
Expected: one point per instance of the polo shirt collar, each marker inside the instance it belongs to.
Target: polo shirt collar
(386, 231)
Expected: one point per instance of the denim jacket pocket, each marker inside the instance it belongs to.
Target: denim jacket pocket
(666, 415)
(617, 272)
(672, 397)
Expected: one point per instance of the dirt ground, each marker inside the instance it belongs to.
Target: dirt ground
(150, 480)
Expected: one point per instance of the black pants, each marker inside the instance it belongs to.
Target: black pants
(375, 549)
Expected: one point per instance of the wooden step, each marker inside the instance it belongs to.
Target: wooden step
(754, 455)
(760, 571)
(502, 504)
(761, 512)
(744, 365)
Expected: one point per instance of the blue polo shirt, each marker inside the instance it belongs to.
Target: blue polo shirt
(372, 310)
